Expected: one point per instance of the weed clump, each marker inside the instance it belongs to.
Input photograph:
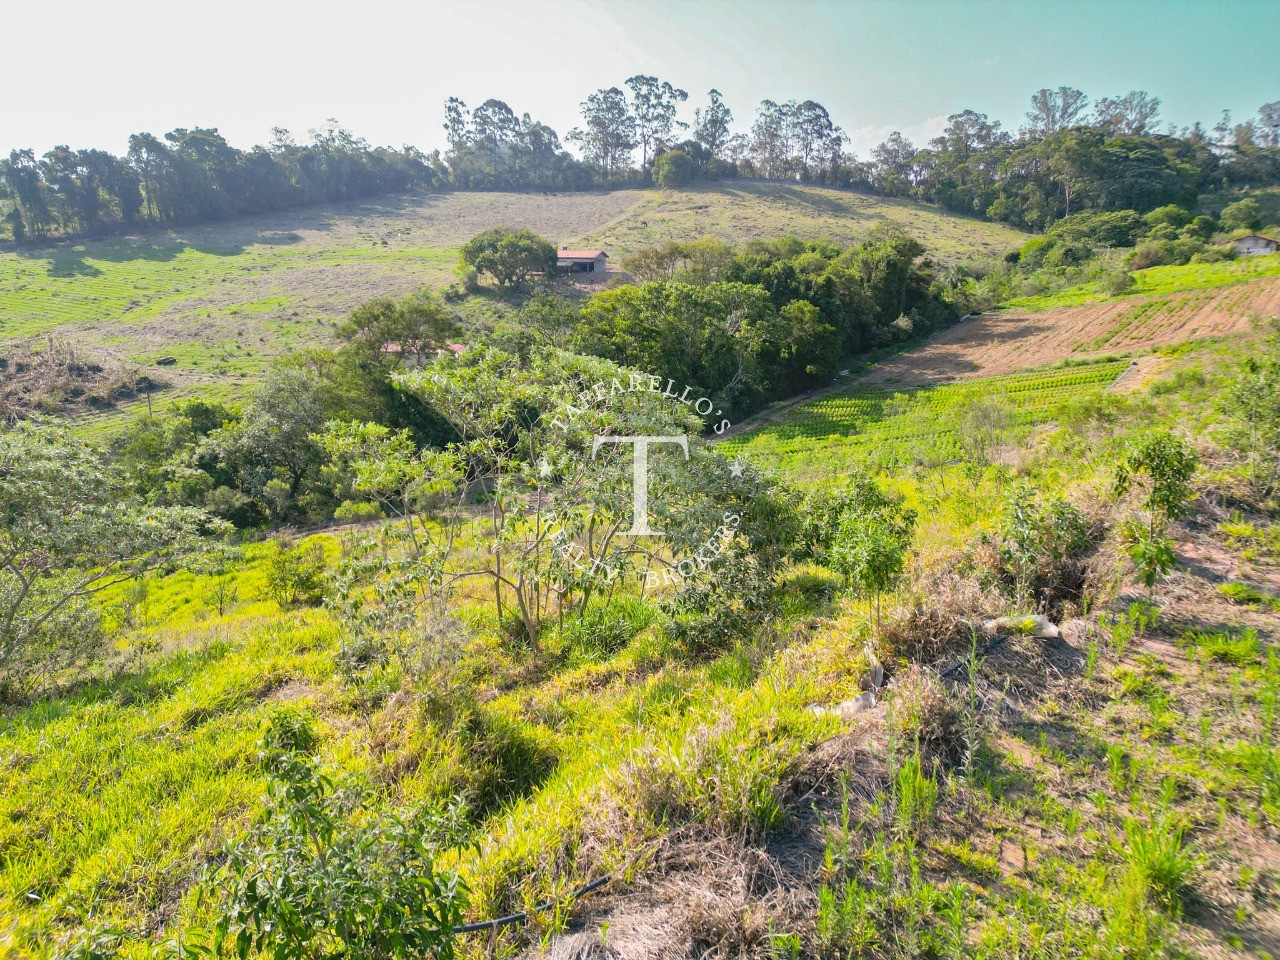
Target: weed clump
(1161, 858)
(937, 615)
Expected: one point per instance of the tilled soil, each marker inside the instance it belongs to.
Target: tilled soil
(1000, 342)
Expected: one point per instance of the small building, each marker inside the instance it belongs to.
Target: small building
(413, 354)
(581, 261)
(1253, 244)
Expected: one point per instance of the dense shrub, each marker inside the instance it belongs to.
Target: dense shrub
(318, 876)
(1041, 544)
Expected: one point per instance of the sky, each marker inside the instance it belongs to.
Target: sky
(90, 72)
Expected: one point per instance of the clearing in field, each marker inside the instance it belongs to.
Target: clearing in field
(224, 299)
(1173, 304)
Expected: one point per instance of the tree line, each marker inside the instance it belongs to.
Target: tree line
(1069, 156)
(196, 176)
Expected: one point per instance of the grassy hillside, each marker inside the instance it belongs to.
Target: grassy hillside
(1159, 281)
(1110, 792)
(224, 299)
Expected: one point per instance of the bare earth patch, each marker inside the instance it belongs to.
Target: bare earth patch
(1001, 342)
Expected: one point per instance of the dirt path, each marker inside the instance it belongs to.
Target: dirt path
(999, 342)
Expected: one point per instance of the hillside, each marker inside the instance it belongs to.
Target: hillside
(743, 785)
(1001, 342)
(224, 299)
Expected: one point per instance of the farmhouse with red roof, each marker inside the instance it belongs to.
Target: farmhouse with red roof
(581, 261)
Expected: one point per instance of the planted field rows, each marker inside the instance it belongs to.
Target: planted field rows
(1003, 341)
(882, 427)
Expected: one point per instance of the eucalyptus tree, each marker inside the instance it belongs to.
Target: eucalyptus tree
(609, 134)
(1133, 114)
(653, 104)
(1054, 110)
(711, 125)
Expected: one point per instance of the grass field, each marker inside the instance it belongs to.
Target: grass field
(224, 299)
(870, 427)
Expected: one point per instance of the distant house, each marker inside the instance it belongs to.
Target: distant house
(414, 354)
(1255, 243)
(581, 261)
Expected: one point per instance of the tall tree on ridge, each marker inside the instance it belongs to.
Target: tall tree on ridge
(711, 126)
(1054, 110)
(1134, 114)
(609, 134)
(653, 105)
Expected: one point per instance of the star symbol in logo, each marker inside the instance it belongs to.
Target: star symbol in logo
(737, 467)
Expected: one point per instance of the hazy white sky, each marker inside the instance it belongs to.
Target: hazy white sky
(90, 72)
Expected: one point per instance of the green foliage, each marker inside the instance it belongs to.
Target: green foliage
(1159, 465)
(766, 320)
(511, 257)
(72, 528)
(1156, 281)
(1040, 540)
(1152, 556)
(385, 466)
(1249, 595)
(1253, 399)
(1242, 215)
(872, 427)
(604, 627)
(915, 796)
(871, 540)
(289, 730)
(1135, 621)
(846, 925)
(316, 878)
(1239, 650)
(673, 169)
(711, 339)
(1119, 283)
(295, 575)
(1166, 252)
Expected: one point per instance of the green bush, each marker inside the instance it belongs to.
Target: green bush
(1041, 542)
(673, 169)
(1166, 252)
(1242, 215)
(289, 730)
(319, 877)
(1118, 283)
(295, 576)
